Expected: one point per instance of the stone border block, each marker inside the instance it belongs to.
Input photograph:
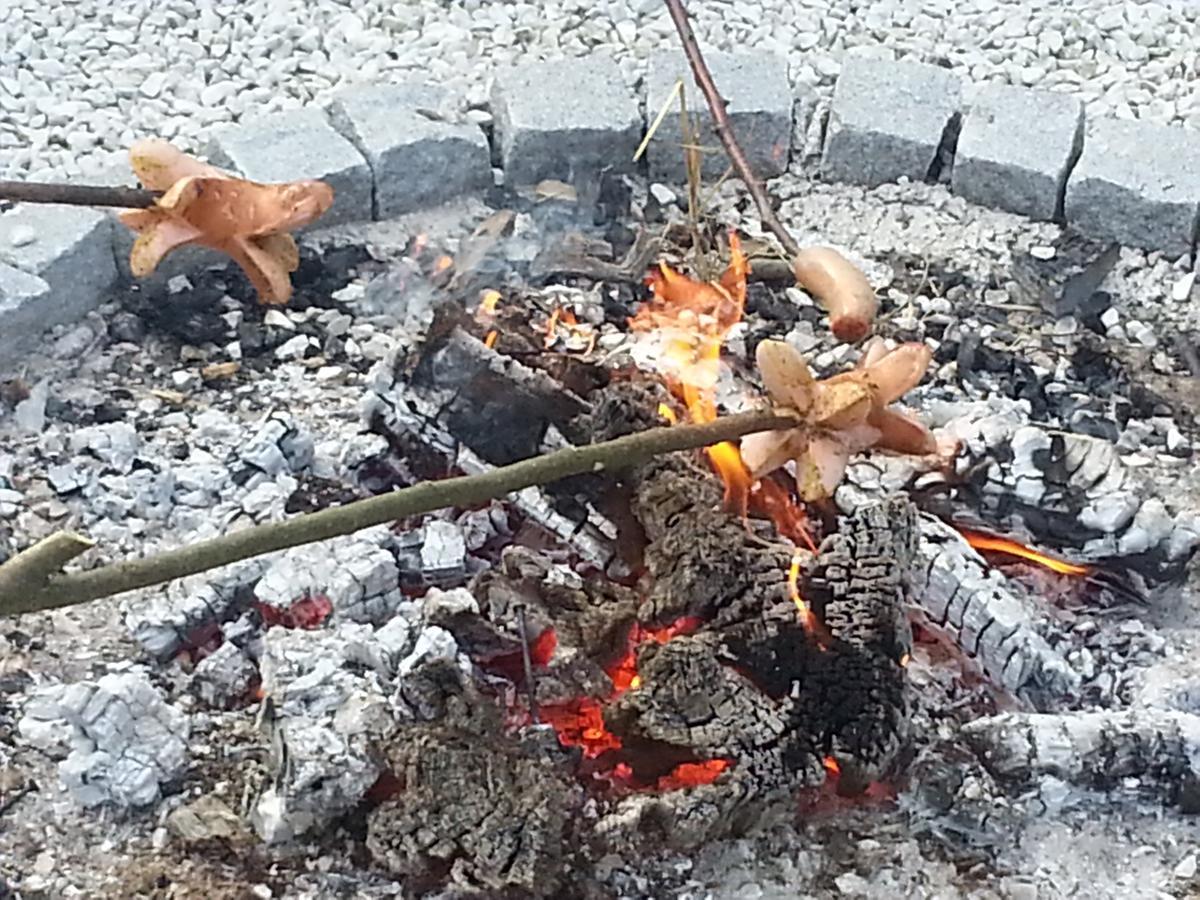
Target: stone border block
(56, 264)
(1137, 183)
(554, 119)
(24, 302)
(418, 155)
(294, 146)
(888, 119)
(757, 95)
(1016, 149)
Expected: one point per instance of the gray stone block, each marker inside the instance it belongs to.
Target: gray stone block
(417, 157)
(757, 96)
(1016, 148)
(67, 248)
(24, 301)
(294, 146)
(887, 120)
(1137, 183)
(556, 119)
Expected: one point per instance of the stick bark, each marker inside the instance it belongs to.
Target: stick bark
(33, 580)
(77, 194)
(724, 128)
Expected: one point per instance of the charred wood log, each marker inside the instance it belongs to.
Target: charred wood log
(1158, 749)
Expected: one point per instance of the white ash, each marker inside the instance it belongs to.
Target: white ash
(164, 621)
(224, 677)
(322, 768)
(443, 553)
(124, 743)
(355, 573)
(329, 713)
(116, 444)
(278, 446)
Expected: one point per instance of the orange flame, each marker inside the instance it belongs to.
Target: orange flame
(443, 263)
(489, 339)
(812, 624)
(565, 319)
(693, 319)
(995, 544)
(667, 413)
(488, 303)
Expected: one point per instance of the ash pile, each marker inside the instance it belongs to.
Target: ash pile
(504, 699)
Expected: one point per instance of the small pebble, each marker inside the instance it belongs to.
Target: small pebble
(1186, 869)
(23, 235)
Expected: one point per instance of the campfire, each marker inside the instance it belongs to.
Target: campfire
(890, 594)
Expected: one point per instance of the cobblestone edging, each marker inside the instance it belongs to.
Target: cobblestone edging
(395, 148)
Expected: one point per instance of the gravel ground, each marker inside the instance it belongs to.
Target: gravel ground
(80, 81)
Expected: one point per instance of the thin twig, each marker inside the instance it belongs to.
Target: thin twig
(33, 587)
(527, 661)
(77, 194)
(724, 130)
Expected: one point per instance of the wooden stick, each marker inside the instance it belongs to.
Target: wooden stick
(33, 580)
(77, 194)
(724, 129)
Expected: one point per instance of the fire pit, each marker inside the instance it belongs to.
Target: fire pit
(553, 693)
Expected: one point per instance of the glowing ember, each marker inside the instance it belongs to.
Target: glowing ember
(489, 340)
(832, 767)
(306, 613)
(581, 722)
(667, 413)
(990, 543)
(443, 263)
(687, 775)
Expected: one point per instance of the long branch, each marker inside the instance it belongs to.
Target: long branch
(27, 586)
(724, 129)
(77, 194)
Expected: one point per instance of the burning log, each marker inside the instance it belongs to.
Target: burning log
(832, 675)
(495, 405)
(975, 608)
(1065, 491)
(408, 418)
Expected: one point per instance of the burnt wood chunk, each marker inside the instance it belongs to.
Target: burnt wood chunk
(494, 404)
